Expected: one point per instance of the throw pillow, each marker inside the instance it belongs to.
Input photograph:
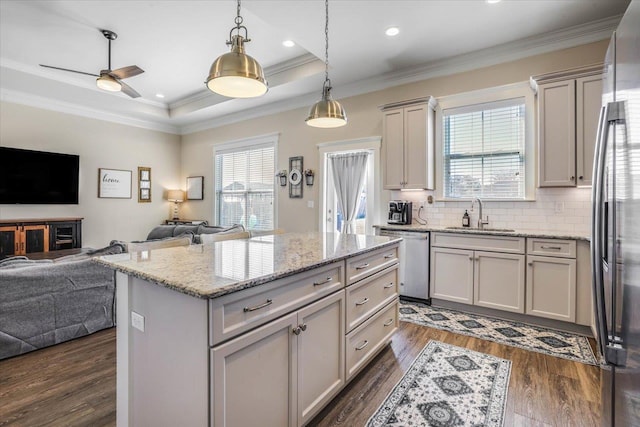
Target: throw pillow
(161, 232)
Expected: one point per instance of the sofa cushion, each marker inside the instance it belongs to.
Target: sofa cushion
(114, 247)
(213, 229)
(170, 242)
(161, 232)
(19, 262)
(182, 229)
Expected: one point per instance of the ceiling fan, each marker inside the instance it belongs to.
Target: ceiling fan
(109, 79)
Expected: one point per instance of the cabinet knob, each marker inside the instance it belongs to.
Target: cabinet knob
(580, 177)
(572, 177)
(296, 330)
(303, 327)
(530, 263)
(470, 257)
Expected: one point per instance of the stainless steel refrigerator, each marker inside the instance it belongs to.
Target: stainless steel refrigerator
(615, 244)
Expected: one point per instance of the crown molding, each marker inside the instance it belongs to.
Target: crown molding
(535, 45)
(77, 110)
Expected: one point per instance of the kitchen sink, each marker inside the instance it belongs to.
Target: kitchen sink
(499, 230)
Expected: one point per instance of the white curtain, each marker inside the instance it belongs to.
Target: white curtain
(349, 176)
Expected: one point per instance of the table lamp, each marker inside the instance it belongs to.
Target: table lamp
(175, 196)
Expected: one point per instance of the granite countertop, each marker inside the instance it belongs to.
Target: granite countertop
(213, 270)
(495, 232)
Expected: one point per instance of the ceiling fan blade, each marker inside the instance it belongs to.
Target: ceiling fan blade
(66, 69)
(125, 72)
(128, 90)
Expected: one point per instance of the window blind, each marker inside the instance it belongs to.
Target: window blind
(244, 186)
(484, 150)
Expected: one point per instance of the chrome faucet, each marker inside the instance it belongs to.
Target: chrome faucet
(481, 222)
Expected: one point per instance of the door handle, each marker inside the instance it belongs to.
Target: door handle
(324, 282)
(258, 307)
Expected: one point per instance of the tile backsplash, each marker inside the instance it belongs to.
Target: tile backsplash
(555, 209)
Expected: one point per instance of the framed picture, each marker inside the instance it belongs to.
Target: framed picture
(295, 177)
(144, 184)
(195, 188)
(114, 184)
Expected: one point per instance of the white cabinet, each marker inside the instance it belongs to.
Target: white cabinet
(284, 372)
(479, 277)
(568, 109)
(452, 274)
(551, 278)
(408, 141)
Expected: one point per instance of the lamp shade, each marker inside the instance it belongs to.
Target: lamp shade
(236, 74)
(327, 113)
(106, 82)
(175, 196)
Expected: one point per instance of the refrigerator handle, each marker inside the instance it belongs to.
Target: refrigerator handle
(597, 228)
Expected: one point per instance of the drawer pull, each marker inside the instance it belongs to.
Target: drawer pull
(388, 256)
(258, 307)
(303, 327)
(362, 267)
(363, 345)
(324, 282)
(551, 247)
(363, 302)
(388, 286)
(388, 322)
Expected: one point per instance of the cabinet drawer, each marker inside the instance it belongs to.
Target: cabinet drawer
(233, 314)
(551, 247)
(484, 243)
(367, 339)
(370, 294)
(365, 265)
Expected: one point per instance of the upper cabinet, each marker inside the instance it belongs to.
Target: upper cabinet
(408, 141)
(568, 109)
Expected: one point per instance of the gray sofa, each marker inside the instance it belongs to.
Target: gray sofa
(47, 302)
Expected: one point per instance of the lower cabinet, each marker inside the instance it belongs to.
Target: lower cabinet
(284, 372)
(551, 287)
(487, 279)
(22, 240)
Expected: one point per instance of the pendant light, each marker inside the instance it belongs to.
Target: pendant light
(236, 74)
(326, 113)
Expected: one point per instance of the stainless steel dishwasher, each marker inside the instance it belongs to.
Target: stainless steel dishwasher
(414, 263)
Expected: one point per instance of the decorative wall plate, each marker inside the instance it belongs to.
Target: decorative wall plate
(295, 177)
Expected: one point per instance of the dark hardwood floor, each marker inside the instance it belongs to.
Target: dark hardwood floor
(73, 384)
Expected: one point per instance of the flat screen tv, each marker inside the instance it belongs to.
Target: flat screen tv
(38, 177)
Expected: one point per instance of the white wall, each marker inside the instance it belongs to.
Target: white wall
(99, 144)
(365, 120)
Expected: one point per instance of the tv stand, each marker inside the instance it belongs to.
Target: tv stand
(37, 235)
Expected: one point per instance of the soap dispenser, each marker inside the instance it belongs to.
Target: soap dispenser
(466, 221)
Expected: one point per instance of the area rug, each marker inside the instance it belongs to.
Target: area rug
(448, 386)
(528, 337)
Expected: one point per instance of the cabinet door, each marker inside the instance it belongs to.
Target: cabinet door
(393, 141)
(36, 238)
(499, 281)
(557, 135)
(551, 287)
(452, 274)
(588, 103)
(415, 147)
(321, 354)
(9, 241)
(254, 377)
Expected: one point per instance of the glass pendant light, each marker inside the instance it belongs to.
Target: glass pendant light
(236, 74)
(326, 113)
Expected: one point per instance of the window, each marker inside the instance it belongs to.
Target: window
(244, 185)
(483, 141)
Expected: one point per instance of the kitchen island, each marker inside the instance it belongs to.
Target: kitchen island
(264, 331)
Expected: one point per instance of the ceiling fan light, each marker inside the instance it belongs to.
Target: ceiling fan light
(106, 82)
(236, 74)
(327, 113)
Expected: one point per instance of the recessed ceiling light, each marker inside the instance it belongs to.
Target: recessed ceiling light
(392, 31)
(288, 43)
(159, 95)
(493, 1)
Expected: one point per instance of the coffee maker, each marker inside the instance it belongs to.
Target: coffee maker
(400, 212)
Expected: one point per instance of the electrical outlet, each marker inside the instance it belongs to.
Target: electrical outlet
(137, 321)
(310, 203)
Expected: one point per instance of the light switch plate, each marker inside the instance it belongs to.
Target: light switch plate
(137, 321)
(310, 203)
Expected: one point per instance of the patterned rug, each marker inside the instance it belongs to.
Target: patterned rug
(534, 338)
(448, 386)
